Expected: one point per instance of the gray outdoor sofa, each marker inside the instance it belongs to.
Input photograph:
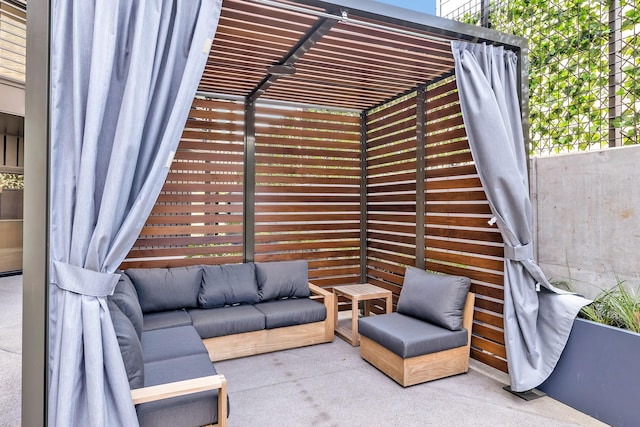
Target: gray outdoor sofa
(172, 323)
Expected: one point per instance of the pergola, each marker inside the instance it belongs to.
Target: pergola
(332, 132)
(322, 130)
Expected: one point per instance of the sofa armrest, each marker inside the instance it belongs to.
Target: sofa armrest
(328, 298)
(318, 291)
(181, 388)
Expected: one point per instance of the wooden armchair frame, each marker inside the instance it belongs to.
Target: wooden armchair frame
(427, 367)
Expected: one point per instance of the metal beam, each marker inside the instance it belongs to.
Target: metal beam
(249, 194)
(615, 73)
(35, 262)
(315, 33)
(392, 17)
(421, 140)
(276, 102)
(363, 197)
(485, 13)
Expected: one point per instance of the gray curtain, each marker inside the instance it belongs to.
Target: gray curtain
(537, 316)
(123, 76)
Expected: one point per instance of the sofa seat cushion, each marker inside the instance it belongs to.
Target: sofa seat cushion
(190, 410)
(215, 322)
(168, 343)
(166, 319)
(293, 311)
(409, 337)
(161, 289)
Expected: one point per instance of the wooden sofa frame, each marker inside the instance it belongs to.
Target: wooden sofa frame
(268, 340)
(181, 388)
(428, 367)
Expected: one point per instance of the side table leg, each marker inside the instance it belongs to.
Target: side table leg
(355, 312)
(389, 304)
(336, 297)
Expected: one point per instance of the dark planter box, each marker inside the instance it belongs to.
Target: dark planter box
(599, 373)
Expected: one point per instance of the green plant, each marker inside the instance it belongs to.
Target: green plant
(573, 51)
(617, 307)
(11, 181)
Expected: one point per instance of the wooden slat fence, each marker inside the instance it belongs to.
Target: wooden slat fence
(198, 217)
(391, 192)
(308, 191)
(308, 199)
(458, 237)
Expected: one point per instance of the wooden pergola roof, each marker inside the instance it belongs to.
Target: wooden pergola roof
(353, 54)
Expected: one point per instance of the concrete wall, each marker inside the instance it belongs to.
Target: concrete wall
(588, 217)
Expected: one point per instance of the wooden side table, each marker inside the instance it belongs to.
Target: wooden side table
(356, 293)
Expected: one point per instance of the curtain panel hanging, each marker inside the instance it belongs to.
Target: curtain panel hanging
(537, 316)
(123, 76)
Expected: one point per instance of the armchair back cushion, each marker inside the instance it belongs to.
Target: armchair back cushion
(228, 285)
(283, 279)
(161, 289)
(434, 298)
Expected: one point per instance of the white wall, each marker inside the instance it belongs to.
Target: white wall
(588, 217)
(11, 98)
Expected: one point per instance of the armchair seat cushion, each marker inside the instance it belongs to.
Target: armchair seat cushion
(166, 319)
(293, 311)
(226, 320)
(169, 343)
(190, 410)
(409, 337)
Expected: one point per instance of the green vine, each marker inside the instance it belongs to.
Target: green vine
(569, 70)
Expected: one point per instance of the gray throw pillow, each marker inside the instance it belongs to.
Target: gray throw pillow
(434, 298)
(161, 289)
(126, 298)
(130, 346)
(228, 285)
(283, 279)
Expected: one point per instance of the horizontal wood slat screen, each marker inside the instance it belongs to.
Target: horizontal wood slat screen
(391, 192)
(308, 191)
(197, 218)
(458, 237)
(308, 199)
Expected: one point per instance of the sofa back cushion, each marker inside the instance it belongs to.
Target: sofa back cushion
(126, 298)
(434, 298)
(228, 285)
(130, 346)
(162, 289)
(283, 279)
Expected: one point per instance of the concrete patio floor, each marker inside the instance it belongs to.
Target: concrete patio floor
(324, 385)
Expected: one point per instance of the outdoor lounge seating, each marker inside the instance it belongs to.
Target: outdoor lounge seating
(172, 381)
(172, 323)
(429, 337)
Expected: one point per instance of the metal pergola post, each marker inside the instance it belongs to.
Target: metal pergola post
(363, 197)
(35, 262)
(249, 193)
(421, 133)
